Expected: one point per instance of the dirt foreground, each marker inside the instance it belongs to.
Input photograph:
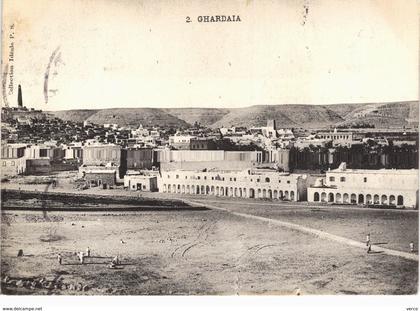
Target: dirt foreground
(191, 252)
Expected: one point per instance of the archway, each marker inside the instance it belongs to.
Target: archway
(331, 197)
(251, 193)
(323, 197)
(353, 198)
(400, 200)
(338, 198)
(368, 199)
(316, 197)
(286, 195)
(275, 194)
(384, 199)
(376, 199)
(361, 199)
(345, 198)
(392, 200)
(292, 195)
(222, 191)
(264, 193)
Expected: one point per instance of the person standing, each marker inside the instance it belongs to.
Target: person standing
(368, 239)
(88, 252)
(60, 259)
(369, 245)
(81, 257)
(412, 246)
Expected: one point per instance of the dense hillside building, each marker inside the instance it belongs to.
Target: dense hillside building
(377, 187)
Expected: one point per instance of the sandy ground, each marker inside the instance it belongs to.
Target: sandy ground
(188, 252)
(206, 251)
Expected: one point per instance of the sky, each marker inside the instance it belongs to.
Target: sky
(131, 53)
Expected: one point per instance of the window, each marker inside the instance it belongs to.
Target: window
(230, 179)
(279, 181)
(198, 177)
(13, 163)
(177, 176)
(267, 179)
(332, 178)
(186, 177)
(169, 176)
(364, 179)
(342, 179)
(258, 180)
(43, 152)
(205, 177)
(234, 179)
(288, 181)
(212, 178)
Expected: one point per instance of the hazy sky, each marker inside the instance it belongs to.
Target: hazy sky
(136, 53)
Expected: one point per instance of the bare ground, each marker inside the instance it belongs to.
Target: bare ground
(202, 252)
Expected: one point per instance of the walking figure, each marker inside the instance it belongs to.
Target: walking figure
(369, 247)
(412, 246)
(88, 252)
(81, 257)
(368, 239)
(60, 259)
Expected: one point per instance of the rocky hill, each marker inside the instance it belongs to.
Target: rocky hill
(307, 116)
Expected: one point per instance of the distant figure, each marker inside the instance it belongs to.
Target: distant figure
(115, 261)
(60, 259)
(368, 239)
(412, 246)
(369, 247)
(81, 257)
(88, 252)
(20, 253)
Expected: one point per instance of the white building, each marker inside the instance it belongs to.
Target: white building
(249, 183)
(377, 187)
(140, 182)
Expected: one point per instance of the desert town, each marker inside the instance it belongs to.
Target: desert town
(50, 166)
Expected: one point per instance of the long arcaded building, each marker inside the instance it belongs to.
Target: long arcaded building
(367, 187)
(250, 183)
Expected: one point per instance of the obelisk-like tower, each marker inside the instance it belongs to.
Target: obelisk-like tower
(20, 102)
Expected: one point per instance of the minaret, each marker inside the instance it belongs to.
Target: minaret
(20, 103)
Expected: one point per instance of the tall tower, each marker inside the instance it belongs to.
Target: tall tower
(20, 102)
(271, 124)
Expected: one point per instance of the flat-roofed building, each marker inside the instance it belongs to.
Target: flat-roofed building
(139, 158)
(13, 161)
(372, 187)
(250, 183)
(207, 159)
(104, 178)
(140, 182)
(101, 154)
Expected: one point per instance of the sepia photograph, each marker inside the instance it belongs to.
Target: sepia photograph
(209, 148)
